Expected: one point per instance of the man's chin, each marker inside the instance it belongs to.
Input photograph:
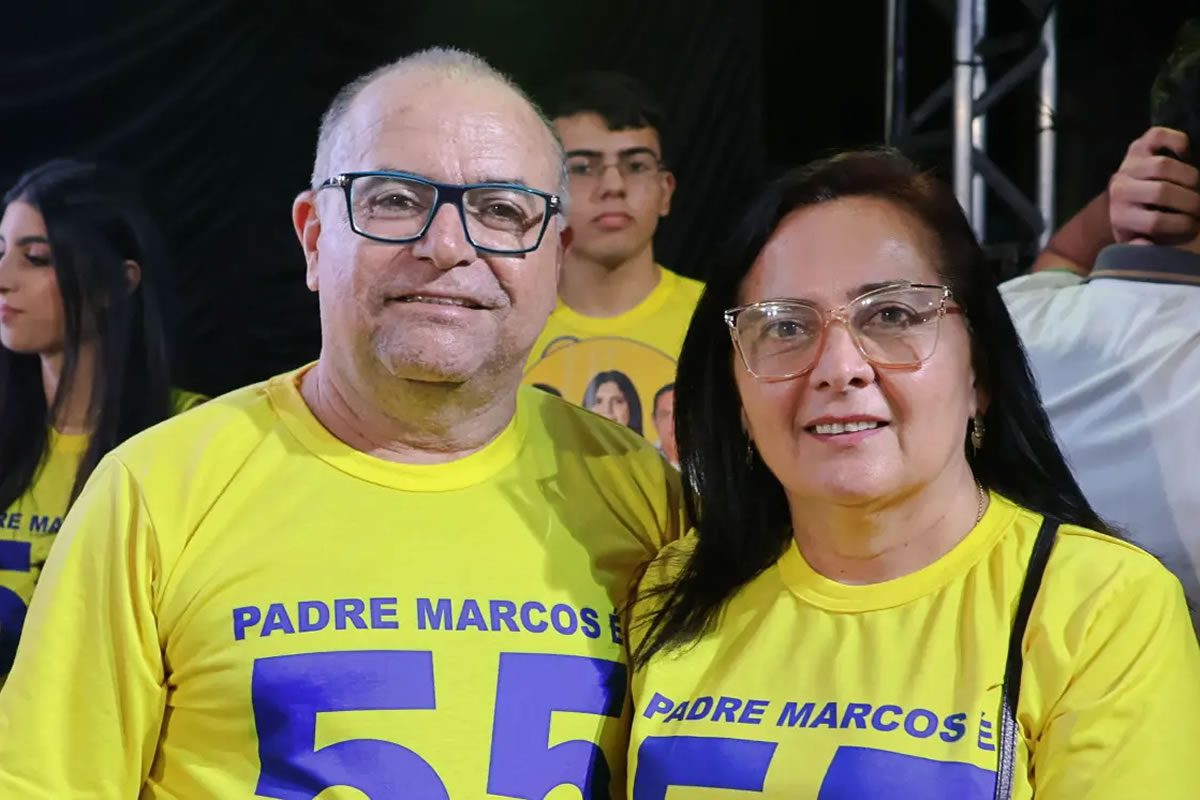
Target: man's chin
(611, 254)
(433, 374)
(432, 367)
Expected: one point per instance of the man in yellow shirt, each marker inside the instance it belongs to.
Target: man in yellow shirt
(613, 340)
(394, 573)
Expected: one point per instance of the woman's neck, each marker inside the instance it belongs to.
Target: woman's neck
(73, 416)
(895, 536)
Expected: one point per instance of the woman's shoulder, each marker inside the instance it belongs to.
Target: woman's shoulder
(1091, 572)
(1109, 569)
(1101, 558)
(1110, 657)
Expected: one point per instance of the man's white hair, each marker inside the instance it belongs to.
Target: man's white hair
(442, 62)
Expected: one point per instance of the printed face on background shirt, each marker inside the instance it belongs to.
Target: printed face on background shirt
(31, 307)
(568, 368)
(613, 215)
(436, 309)
(611, 394)
(664, 422)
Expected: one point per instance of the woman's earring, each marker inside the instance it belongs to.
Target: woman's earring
(749, 453)
(977, 431)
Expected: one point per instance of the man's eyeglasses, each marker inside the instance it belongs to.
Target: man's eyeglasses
(633, 166)
(894, 326)
(502, 218)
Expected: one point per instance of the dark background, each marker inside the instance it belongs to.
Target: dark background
(216, 103)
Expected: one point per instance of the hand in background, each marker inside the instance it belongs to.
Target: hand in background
(1154, 198)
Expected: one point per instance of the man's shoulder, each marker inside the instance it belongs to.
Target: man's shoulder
(1048, 280)
(683, 285)
(232, 423)
(595, 457)
(1051, 303)
(609, 451)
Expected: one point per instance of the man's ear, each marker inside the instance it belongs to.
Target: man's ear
(133, 275)
(307, 223)
(668, 179)
(565, 236)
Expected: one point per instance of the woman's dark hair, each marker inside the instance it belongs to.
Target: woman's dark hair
(626, 386)
(737, 506)
(95, 221)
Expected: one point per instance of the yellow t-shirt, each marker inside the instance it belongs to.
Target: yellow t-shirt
(29, 525)
(241, 605)
(809, 688)
(642, 345)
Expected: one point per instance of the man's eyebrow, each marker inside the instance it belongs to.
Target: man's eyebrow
(628, 151)
(508, 179)
(490, 179)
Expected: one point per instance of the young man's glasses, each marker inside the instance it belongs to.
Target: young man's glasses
(632, 165)
(893, 326)
(501, 218)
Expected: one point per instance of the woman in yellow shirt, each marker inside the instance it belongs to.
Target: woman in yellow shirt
(881, 510)
(83, 360)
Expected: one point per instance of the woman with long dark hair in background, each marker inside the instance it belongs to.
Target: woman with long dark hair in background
(896, 587)
(83, 355)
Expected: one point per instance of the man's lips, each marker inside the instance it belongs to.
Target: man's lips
(455, 301)
(614, 220)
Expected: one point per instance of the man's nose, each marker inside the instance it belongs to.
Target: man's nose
(445, 242)
(612, 182)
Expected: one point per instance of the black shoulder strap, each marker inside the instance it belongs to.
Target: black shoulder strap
(1011, 688)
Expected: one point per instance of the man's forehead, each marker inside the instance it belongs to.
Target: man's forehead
(479, 121)
(460, 108)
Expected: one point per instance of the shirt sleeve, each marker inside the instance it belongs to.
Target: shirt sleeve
(1039, 282)
(82, 709)
(182, 401)
(1128, 722)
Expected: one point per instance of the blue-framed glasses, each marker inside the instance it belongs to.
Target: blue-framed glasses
(501, 218)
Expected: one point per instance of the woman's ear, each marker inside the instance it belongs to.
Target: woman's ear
(746, 424)
(133, 275)
(983, 399)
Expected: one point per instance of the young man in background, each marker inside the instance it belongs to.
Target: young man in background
(619, 310)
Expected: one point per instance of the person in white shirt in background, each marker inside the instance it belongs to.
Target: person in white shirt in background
(1115, 347)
